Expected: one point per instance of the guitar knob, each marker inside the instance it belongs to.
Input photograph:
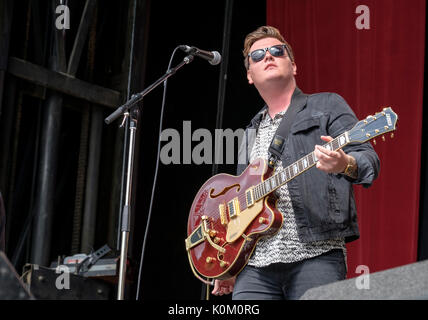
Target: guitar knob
(374, 141)
(217, 240)
(209, 259)
(223, 264)
(213, 233)
(383, 138)
(263, 220)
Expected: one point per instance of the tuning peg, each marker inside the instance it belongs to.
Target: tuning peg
(383, 138)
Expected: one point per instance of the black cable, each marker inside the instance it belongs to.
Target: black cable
(155, 176)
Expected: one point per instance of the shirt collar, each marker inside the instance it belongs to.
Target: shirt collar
(277, 116)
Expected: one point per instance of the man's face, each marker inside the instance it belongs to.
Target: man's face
(270, 68)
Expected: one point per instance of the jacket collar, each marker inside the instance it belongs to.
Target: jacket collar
(298, 101)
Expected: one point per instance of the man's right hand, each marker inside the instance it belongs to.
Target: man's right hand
(222, 287)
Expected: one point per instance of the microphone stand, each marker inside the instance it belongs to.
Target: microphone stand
(127, 110)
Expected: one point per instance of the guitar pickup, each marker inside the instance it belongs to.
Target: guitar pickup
(249, 196)
(222, 210)
(233, 206)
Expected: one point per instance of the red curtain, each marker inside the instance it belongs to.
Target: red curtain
(373, 56)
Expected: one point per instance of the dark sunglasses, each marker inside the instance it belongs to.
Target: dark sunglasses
(276, 51)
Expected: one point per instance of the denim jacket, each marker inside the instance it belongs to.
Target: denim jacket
(324, 204)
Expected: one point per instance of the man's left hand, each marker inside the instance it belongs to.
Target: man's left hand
(331, 161)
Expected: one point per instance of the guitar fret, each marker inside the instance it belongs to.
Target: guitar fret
(273, 183)
(288, 171)
(335, 144)
(295, 170)
(267, 185)
(306, 162)
(278, 179)
(314, 157)
(311, 158)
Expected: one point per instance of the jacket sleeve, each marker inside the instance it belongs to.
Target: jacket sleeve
(342, 119)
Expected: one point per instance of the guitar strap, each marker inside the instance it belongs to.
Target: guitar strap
(276, 148)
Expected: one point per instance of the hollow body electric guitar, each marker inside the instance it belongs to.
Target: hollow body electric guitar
(230, 214)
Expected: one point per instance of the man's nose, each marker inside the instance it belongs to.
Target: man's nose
(268, 56)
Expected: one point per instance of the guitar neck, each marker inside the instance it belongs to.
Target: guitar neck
(283, 176)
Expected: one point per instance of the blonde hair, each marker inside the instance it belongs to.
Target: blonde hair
(261, 33)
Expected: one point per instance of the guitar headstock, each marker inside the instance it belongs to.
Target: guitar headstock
(382, 122)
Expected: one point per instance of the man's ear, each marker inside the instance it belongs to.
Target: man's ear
(250, 79)
(294, 69)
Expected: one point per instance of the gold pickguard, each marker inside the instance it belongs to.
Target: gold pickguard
(238, 224)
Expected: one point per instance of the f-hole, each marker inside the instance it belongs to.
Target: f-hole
(225, 190)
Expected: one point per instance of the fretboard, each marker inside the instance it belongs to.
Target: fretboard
(283, 176)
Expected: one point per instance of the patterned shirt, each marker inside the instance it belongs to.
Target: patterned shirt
(285, 246)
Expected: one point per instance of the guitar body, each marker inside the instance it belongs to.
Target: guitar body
(222, 231)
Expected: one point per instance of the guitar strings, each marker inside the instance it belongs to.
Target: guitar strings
(242, 196)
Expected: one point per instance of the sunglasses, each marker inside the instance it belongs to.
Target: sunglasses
(276, 51)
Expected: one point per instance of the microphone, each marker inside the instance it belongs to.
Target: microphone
(213, 57)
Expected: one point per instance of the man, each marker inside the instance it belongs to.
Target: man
(318, 206)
